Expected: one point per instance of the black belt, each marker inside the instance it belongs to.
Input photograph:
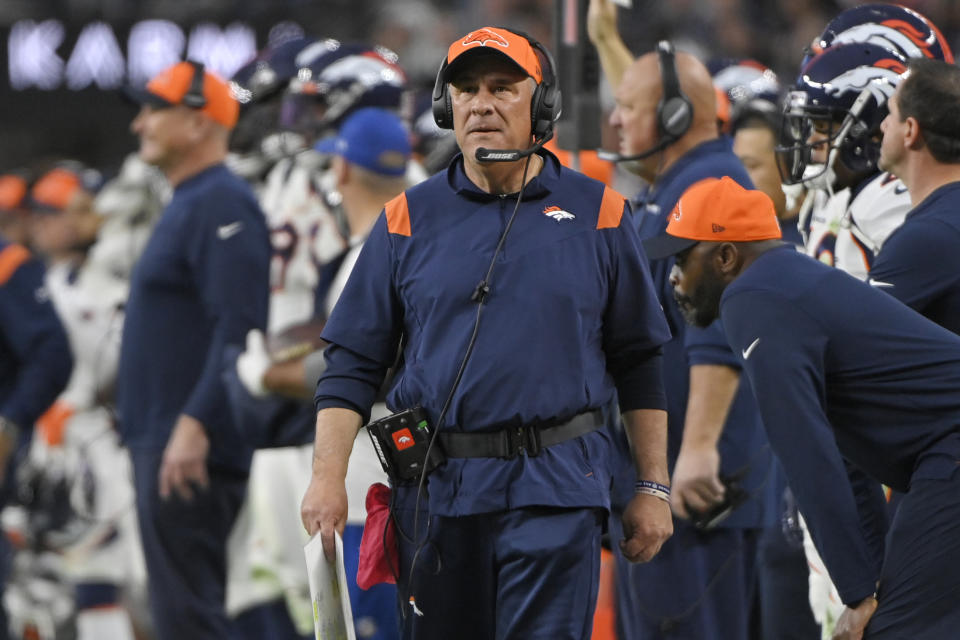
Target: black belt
(509, 443)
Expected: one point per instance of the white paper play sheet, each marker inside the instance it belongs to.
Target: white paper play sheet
(332, 617)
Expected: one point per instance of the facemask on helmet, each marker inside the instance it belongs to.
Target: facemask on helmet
(258, 86)
(836, 107)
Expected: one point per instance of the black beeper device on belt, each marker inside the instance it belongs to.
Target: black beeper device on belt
(402, 441)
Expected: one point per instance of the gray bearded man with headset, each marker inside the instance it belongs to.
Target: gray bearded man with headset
(500, 463)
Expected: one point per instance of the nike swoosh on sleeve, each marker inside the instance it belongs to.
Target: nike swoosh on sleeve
(227, 230)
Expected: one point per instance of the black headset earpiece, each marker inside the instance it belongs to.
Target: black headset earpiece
(194, 97)
(674, 111)
(545, 106)
(442, 107)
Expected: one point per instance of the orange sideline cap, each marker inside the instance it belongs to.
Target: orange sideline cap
(716, 210)
(55, 189)
(13, 189)
(515, 47)
(171, 87)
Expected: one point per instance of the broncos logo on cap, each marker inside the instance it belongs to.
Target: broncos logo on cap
(881, 78)
(483, 36)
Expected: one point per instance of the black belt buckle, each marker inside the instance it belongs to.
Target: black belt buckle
(533, 441)
(523, 438)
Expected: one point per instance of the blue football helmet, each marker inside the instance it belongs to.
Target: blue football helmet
(841, 94)
(334, 79)
(258, 86)
(269, 72)
(890, 26)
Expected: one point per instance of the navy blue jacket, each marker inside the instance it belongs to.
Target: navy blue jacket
(742, 444)
(919, 263)
(870, 380)
(571, 319)
(35, 357)
(201, 284)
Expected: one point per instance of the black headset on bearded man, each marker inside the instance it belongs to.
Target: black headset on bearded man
(544, 106)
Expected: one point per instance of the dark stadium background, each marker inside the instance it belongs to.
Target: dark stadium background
(92, 125)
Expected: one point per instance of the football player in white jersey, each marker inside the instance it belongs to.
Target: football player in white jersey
(321, 84)
(89, 257)
(371, 154)
(833, 115)
(852, 206)
(832, 122)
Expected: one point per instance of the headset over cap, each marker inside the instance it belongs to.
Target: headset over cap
(188, 83)
(531, 57)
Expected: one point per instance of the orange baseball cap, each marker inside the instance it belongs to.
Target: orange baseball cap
(13, 190)
(178, 85)
(54, 190)
(716, 210)
(515, 47)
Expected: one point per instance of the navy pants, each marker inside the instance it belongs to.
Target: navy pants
(184, 544)
(919, 591)
(525, 574)
(699, 587)
(266, 620)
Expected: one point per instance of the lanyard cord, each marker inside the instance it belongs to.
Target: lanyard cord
(479, 295)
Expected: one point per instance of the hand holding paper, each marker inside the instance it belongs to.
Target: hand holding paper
(332, 616)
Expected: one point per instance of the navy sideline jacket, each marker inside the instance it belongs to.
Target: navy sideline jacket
(919, 263)
(570, 321)
(35, 357)
(869, 380)
(742, 445)
(202, 283)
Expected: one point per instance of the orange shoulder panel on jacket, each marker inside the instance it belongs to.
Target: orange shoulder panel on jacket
(611, 209)
(398, 215)
(10, 259)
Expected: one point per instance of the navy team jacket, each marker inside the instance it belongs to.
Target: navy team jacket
(201, 284)
(919, 263)
(870, 380)
(35, 357)
(571, 319)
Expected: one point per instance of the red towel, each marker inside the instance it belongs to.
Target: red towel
(375, 561)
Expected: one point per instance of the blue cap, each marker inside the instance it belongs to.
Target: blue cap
(372, 138)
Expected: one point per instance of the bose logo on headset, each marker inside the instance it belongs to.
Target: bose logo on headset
(545, 106)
